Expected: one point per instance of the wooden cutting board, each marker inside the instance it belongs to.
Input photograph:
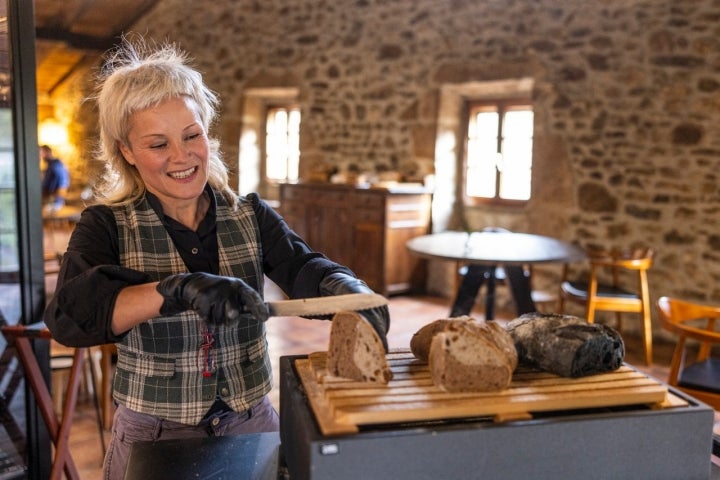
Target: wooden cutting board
(341, 406)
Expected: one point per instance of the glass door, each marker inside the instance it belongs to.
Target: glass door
(24, 442)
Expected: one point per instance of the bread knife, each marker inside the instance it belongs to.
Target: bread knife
(322, 306)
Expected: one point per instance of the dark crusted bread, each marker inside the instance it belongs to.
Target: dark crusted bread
(355, 350)
(470, 356)
(566, 345)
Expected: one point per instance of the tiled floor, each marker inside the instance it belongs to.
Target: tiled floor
(292, 336)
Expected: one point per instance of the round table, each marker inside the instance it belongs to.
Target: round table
(491, 249)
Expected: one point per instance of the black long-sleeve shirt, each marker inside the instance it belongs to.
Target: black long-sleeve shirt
(91, 277)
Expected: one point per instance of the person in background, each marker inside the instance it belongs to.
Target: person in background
(55, 181)
(176, 263)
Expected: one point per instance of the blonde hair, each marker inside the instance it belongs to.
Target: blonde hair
(134, 77)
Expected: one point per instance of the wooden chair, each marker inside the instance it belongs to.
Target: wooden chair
(61, 365)
(612, 296)
(696, 374)
(21, 336)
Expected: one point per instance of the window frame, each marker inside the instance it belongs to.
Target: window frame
(269, 108)
(502, 106)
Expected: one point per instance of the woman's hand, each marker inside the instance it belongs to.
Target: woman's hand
(215, 298)
(341, 283)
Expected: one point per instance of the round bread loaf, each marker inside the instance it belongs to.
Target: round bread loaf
(470, 356)
(420, 341)
(499, 335)
(465, 355)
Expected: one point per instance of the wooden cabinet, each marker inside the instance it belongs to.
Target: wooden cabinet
(363, 228)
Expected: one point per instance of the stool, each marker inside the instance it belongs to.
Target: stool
(61, 362)
(21, 336)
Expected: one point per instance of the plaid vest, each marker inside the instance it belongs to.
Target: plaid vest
(160, 363)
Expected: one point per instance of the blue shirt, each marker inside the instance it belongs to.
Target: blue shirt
(56, 177)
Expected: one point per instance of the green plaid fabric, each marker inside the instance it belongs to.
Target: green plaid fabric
(159, 369)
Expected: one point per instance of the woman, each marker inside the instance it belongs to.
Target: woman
(175, 262)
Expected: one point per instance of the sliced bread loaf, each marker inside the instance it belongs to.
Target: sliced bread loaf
(355, 350)
(472, 357)
(493, 331)
(420, 341)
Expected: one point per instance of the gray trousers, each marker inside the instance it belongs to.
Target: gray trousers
(130, 426)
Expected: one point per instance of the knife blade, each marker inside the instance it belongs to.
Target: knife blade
(308, 307)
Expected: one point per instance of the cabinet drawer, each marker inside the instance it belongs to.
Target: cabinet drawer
(408, 202)
(410, 218)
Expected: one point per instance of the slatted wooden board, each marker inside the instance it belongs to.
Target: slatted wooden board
(341, 406)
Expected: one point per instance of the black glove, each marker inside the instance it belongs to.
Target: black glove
(341, 284)
(216, 299)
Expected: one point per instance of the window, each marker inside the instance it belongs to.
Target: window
(282, 144)
(498, 151)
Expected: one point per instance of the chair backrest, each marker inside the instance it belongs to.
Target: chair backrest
(685, 320)
(637, 259)
(689, 320)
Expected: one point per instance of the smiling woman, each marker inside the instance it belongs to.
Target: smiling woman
(177, 263)
(169, 147)
(125, 112)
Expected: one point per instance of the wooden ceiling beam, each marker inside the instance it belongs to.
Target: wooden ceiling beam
(76, 40)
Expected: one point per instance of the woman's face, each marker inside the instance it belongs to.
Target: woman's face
(169, 147)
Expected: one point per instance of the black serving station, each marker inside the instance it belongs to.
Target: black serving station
(632, 442)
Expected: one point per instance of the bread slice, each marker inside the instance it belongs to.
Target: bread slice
(355, 350)
(473, 357)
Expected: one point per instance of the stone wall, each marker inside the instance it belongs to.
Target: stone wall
(626, 92)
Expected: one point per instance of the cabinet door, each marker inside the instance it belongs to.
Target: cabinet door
(369, 252)
(295, 215)
(330, 225)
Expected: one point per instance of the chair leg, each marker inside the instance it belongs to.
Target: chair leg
(590, 312)
(647, 336)
(96, 401)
